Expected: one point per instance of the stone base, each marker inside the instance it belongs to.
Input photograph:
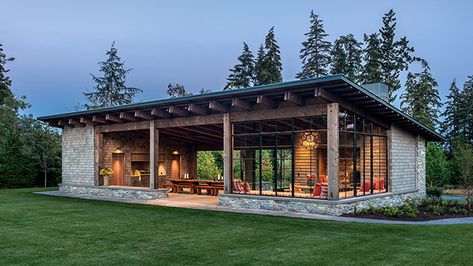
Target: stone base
(116, 192)
(316, 206)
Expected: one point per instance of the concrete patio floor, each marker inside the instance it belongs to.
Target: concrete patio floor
(210, 203)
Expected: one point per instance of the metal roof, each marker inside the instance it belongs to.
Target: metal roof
(339, 85)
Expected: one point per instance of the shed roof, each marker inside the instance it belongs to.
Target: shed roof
(337, 85)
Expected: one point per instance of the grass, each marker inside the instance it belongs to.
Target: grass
(37, 229)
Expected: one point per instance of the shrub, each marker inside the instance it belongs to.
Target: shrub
(410, 210)
(454, 210)
(434, 192)
(391, 211)
(437, 209)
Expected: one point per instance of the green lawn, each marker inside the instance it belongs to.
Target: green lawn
(37, 229)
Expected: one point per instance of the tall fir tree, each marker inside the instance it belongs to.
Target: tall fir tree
(395, 54)
(5, 82)
(452, 115)
(259, 67)
(268, 64)
(421, 99)
(272, 58)
(110, 89)
(242, 74)
(372, 57)
(346, 57)
(466, 110)
(315, 52)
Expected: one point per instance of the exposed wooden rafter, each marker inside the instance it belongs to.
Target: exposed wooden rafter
(143, 115)
(265, 101)
(196, 109)
(242, 104)
(292, 97)
(177, 111)
(114, 118)
(159, 113)
(98, 119)
(128, 117)
(219, 107)
(76, 122)
(87, 121)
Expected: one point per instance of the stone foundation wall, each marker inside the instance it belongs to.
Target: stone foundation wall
(317, 206)
(116, 192)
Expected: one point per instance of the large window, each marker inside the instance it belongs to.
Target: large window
(285, 158)
(362, 156)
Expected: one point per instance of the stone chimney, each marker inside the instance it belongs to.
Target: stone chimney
(378, 89)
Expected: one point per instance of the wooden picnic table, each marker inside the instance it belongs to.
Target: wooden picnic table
(196, 185)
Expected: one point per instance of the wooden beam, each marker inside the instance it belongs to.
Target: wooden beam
(288, 112)
(292, 97)
(87, 121)
(190, 121)
(54, 124)
(242, 104)
(159, 113)
(330, 97)
(128, 117)
(143, 115)
(266, 101)
(219, 107)
(98, 119)
(76, 123)
(123, 127)
(153, 154)
(196, 109)
(64, 123)
(113, 118)
(177, 111)
(332, 150)
(227, 154)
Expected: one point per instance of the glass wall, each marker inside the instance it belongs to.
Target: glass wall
(362, 156)
(286, 157)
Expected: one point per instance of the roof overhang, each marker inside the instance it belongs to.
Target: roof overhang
(336, 88)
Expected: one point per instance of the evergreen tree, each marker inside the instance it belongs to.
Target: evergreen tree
(466, 111)
(452, 115)
(315, 52)
(177, 90)
(5, 82)
(272, 58)
(259, 67)
(206, 166)
(372, 57)
(242, 74)
(395, 54)
(346, 57)
(421, 99)
(110, 89)
(15, 166)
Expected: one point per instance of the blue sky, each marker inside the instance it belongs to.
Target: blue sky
(58, 43)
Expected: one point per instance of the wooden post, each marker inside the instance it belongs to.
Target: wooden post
(98, 147)
(332, 151)
(227, 153)
(153, 154)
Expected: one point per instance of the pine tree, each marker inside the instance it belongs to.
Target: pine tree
(346, 57)
(466, 110)
(272, 59)
(5, 82)
(421, 99)
(110, 89)
(452, 115)
(242, 74)
(177, 90)
(315, 52)
(395, 54)
(372, 57)
(260, 74)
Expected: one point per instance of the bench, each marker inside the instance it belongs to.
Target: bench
(210, 189)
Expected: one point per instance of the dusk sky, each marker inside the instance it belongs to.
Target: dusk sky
(58, 43)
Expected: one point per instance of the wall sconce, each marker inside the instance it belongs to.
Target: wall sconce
(118, 150)
(310, 140)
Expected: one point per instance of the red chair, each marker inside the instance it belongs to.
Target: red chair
(317, 191)
(379, 185)
(366, 187)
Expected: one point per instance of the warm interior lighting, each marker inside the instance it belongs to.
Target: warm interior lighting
(175, 152)
(310, 140)
(118, 150)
